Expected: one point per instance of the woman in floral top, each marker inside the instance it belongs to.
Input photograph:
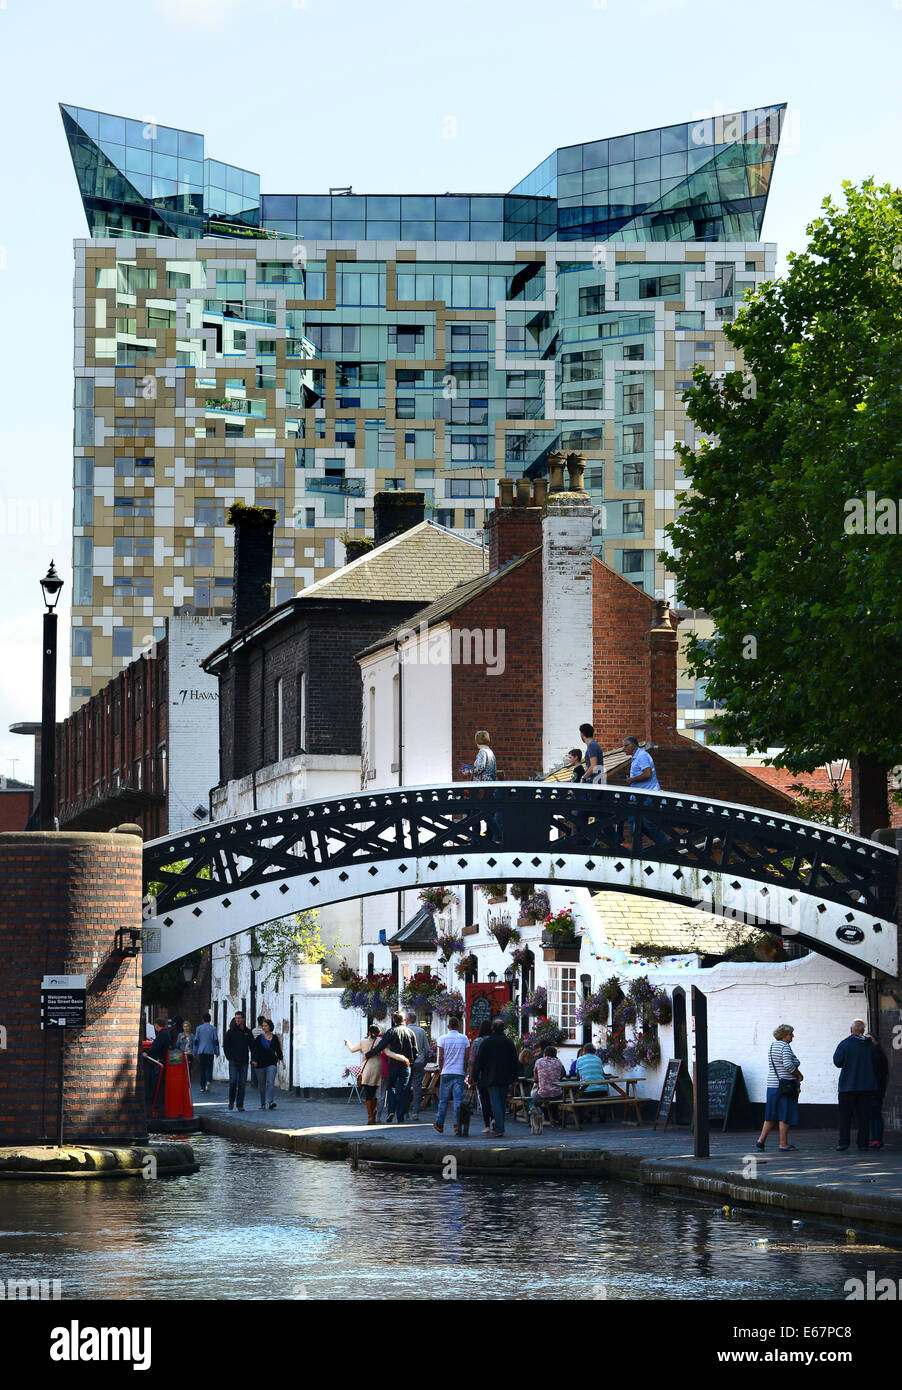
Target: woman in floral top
(546, 1074)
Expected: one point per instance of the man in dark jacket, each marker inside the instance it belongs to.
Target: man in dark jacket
(237, 1046)
(496, 1066)
(157, 1053)
(857, 1084)
(400, 1047)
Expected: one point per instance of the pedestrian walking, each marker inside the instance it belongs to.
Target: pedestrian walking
(783, 1082)
(881, 1069)
(485, 1029)
(418, 1070)
(858, 1085)
(452, 1064)
(485, 769)
(186, 1042)
(496, 1067)
(594, 773)
(266, 1056)
(371, 1070)
(207, 1048)
(400, 1047)
(238, 1045)
(255, 1033)
(577, 767)
(643, 773)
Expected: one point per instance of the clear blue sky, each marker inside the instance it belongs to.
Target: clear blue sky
(313, 93)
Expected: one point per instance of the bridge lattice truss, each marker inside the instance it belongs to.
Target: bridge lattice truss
(519, 828)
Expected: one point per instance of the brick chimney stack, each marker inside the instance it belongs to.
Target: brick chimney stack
(394, 512)
(660, 709)
(567, 639)
(515, 526)
(252, 573)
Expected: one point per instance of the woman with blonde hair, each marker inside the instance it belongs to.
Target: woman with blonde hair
(783, 1082)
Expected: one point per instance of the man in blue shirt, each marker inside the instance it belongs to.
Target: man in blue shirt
(642, 773)
(857, 1085)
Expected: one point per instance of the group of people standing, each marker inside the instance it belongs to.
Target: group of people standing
(863, 1072)
(262, 1049)
(394, 1066)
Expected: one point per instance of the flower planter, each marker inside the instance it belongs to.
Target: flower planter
(498, 900)
(564, 949)
(527, 920)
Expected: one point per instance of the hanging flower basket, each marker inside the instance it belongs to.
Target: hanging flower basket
(449, 1002)
(522, 955)
(522, 891)
(437, 899)
(560, 939)
(611, 990)
(536, 1002)
(504, 934)
(546, 1032)
(449, 946)
(465, 967)
(369, 995)
(614, 1049)
(538, 906)
(494, 892)
(594, 1009)
(344, 973)
(422, 990)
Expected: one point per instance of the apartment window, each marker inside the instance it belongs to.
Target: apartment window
(633, 517)
(632, 562)
(132, 547)
(562, 997)
(359, 518)
(469, 519)
(144, 467)
(470, 337)
(395, 484)
(282, 590)
(633, 439)
(445, 517)
(634, 398)
(209, 513)
(591, 300)
(81, 641)
(633, 352)
(463, 487)
(122, 642)
(469, 448)
(310, 513)
(198, 552)
(406, 337)
(633, 475)
(301, 712)
(133, 506)
(216, 470)
(284, 550)
(660, 287)
(270, 474)
(334, 337)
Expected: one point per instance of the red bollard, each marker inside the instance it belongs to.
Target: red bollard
(177, 1105)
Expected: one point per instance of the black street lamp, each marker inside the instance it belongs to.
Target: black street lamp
(188, 972)
(492, 977)
(51, 585)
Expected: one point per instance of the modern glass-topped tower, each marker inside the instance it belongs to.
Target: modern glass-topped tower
(303, 351)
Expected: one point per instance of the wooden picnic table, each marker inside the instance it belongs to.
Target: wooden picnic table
(575, 1097)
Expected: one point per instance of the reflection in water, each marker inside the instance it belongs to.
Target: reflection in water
(255, 1221)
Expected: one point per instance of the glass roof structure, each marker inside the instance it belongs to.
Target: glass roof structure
(704, 180)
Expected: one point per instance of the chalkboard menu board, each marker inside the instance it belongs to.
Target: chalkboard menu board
(725, 1085)
(668, 1092)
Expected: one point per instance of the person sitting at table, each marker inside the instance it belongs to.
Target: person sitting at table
(527, 1062)
(547, 1074)
(590, 1070)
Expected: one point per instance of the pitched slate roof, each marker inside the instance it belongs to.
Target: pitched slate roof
(629, 920)
(449, 601)
(418, 565)
(419, 932)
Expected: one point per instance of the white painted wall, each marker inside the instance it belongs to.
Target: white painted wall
(425, 744)
(193, 744)
(567, 637)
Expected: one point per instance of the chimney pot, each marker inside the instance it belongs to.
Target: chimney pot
(556, 471)
(523, 498)
(505, 493)
(540, 490)
(576, 467)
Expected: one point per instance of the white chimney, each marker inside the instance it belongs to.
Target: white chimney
(566, 614)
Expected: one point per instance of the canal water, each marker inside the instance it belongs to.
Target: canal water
(260, 1223)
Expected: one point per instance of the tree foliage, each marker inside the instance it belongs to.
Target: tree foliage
(287, 940)
(809, 647)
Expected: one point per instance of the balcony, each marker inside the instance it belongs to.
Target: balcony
(347, 487)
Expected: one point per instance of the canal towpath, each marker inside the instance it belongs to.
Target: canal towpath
(852, 1189)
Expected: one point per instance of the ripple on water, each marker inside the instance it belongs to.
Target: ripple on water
(264, 1223)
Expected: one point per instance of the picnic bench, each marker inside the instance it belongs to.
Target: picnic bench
(621, 1091)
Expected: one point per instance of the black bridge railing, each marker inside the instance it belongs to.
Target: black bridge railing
(526, 820)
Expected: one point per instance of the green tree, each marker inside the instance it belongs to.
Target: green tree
(831, 807)
(806, 602)
(287, 940)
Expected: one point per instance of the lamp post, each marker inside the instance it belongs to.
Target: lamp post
(51, 585)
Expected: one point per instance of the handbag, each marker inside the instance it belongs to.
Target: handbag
(787, 1086)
